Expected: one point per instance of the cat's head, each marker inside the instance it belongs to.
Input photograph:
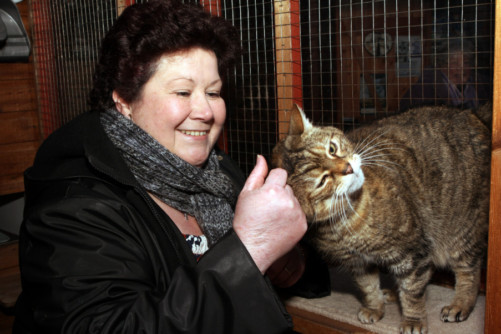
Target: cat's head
(321, 164)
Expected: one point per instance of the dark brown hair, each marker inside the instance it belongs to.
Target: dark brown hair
(143, 33)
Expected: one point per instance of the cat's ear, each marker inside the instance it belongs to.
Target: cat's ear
(298, 122)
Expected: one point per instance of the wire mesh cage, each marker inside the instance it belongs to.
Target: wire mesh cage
(344, 62)
(66, 38)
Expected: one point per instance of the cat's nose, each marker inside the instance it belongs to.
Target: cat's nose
(348, 170)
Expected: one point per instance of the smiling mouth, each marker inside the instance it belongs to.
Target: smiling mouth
(194, 133)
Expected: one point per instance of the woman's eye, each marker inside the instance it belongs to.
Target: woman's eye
(183, 93)
(332, 149)
(214, 94)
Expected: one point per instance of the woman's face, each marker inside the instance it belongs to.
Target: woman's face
(180, 105)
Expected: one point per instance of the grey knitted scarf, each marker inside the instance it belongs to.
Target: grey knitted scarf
(205, 193)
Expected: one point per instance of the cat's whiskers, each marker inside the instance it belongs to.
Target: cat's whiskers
(334, 210)
(366, 143)
(371, 161)
(373, 155)
(378, 149)
(372, 152)
(335, 213)
(375, 161)
(345, 216)
(315, 216)
(365, 146)
(340, 204)
(389, 165)
(380, 165)
(382, 147)
(341, 213)
(351, 206)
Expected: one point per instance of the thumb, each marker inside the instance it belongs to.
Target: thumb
(257, 176)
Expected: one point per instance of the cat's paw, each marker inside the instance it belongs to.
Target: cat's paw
(454, 313)
(389, 296)
(413, 327)
(369, 316)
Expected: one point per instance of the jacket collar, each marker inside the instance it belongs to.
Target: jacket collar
(102, 154)
(69, 151)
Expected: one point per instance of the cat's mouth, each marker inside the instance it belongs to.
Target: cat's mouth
(352, 182)
(356, 182)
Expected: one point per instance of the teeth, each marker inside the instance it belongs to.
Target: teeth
(194, 133)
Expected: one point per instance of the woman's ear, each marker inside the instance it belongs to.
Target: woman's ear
(122, 106)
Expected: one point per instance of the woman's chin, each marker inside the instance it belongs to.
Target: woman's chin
(196, 159)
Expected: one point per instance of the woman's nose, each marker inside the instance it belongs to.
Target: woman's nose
(201, 108)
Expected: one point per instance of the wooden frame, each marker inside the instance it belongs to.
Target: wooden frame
(122, 4)
(288, 63)
(493, 286)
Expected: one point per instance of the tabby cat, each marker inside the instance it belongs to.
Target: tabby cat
(408, 193)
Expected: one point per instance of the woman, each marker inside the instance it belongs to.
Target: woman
(115, 196)
(454, 82)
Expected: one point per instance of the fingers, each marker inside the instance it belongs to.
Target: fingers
(289, 190)
(257, 176)
(278, 177)
(268, 218)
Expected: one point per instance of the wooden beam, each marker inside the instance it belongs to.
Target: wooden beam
(288, 60)
(493, 287)
(44, 54)
(122, 4)
(212, 6)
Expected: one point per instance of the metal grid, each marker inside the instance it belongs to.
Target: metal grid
(347, 62)
(251, 92)
(363, 60)
(66, 38)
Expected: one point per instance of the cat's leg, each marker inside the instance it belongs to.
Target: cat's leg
(389, 296)
(372, 309)
(412, 299)
(466, 290)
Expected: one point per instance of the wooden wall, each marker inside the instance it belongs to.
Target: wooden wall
(19, 120)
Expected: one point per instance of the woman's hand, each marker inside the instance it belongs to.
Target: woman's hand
(288, 269)
(268, 217)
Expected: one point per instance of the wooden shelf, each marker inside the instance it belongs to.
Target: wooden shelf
(309, 322)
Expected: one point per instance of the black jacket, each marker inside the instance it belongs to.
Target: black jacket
(97, 255)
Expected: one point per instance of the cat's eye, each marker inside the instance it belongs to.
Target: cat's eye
(332, 149)
(323, 180)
